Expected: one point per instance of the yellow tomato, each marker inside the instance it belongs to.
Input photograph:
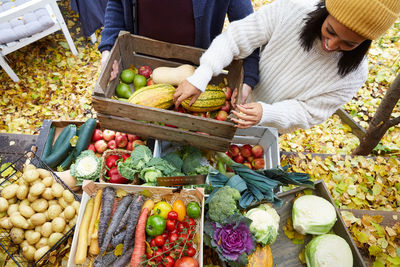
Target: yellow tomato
(162, 208)
(180, 208)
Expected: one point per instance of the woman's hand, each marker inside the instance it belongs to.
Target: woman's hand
(246, 89)
(186, 90)
(249, 115)
(104, 56)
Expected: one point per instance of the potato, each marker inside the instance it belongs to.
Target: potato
(3, 214)
(47, 194)
(57, 189)
(38, 219)
(25, 202)
(40, 205)
(26, 211)
(58, 225)
(44, 241)
(28, 167)
(40, 252)
(12, 200)
(48, 181)
(46, 229)
(54, 211)
(31, 175)
(18, 220)
(12, 208)
(37, 189)
(69, 213)
(31, 226)
(32, 198)
(32, 237)
(76, 205)
(9, 191)
(67, 228)
(68, 196)
(17, 235)
(22, 191)
(63, 203)
(53, 202)
(54, 237)
(38, 229)
(3, 204)
(29, 252)
(24, 243)
(43, 173)
(6, 223)
(73, 221)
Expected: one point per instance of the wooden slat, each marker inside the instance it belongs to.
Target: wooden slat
(164, 133)
(182, 120)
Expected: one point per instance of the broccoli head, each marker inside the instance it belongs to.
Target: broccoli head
(223, 204)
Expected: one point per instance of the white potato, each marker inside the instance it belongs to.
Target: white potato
(3, 204)
(9, 191)
(57, 189)
(76, 204)
(69, 213)
(29, 252)
(22, 191)
(19, 221)
(6, 223)
(58, 225)
(31, 175)
(40, 205)
(17, 235)
(46, 229)
(40, 252)
(47, 194)
(26, 211)
(37, 189)
(44, 241)
(48, 181)
(54, 237)
(54, 211)
(43, 173)
(31, 197)
(32, 237)
(38, 219)
(12, 208)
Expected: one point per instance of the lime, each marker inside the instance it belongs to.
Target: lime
(193, 210)
(139, 81)
(127, 76)
(123, 90)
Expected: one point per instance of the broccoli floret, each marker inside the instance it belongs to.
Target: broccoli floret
(223, 204)
(87, 166)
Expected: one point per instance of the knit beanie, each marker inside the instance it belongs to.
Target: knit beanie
(368, 18)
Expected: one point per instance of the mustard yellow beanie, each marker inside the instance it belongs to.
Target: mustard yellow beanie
(368, 18)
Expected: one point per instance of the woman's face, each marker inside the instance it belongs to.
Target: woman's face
(337, 37)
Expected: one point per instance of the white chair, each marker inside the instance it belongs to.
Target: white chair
(11, 16)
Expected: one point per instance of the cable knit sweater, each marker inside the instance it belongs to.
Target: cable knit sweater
(297, 89)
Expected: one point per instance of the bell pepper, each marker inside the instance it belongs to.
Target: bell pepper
(116, 178)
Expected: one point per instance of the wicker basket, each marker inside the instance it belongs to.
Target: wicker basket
(118, 152)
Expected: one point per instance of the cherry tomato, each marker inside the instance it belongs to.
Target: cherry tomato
(149, 256)
(183, 237)
(173, 237)
(170, 225)
(173, 232)
(159, 241)
(178, 251)
(158, 253)
(192, 222)
(153, 243)
(168, 261)
(167, 247)
(165, 235)
(180, 226)
(191, 251)
(172, 215)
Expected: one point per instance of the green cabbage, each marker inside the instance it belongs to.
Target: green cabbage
(313, 215)
(328, 251)
(265, 224)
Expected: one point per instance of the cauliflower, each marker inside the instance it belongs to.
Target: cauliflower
(86, 167)
(223, 204)
(265, 224)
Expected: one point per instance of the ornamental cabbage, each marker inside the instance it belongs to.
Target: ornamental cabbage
(265, 224)
(86, 167)
(313, 215)
(328, 251)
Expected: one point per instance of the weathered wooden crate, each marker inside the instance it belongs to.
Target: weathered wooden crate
(136, 119)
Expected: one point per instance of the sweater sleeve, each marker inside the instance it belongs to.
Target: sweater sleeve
(239, 40)
(113, 24)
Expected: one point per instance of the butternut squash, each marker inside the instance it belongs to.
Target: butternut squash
(172, 76)
(261, 257)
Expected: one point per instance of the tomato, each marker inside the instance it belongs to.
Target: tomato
(173, 215)
(167, 247)
(178, 251)
(155, 225)
(149, 256)
(191, 251)
(159, 240)
(183, 237)
(170, 224)
(173, 237)
(186, 262)
(180, 226)
(192, 222)
(180, 208)
(165, 235)
(173, 232)
(162, 208)
(193, 210)
(158, 255)
(153, 243)
(169, 261)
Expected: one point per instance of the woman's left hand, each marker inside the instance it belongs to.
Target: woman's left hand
(186, 90)
(249, 115)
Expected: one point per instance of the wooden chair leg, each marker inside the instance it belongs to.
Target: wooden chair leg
(64, 28)
(8, 70)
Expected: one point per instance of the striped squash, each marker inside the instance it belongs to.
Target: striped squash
(156, 96)
(211, 99)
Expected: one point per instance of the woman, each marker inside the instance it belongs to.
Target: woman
(312, 59)
(186, 22)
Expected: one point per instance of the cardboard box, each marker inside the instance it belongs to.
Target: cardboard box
(125, 117)
(197, 193)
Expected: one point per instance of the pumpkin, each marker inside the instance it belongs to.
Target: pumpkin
(156, 96)
(213, 98)
(261, 257)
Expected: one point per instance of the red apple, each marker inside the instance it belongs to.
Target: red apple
(92, 147)
(257, 151)
(121, 141)
(250, 159)
(100, 146)
(132, 137)
(227, 106)
(258, 163)
(234, 150)
(108, 135)
(129, 146)
(239, 159)
(97, 135)
(149, 82)
(112, 144)
(228, 154)
(228, 92)
(145, 71)
(222, 115)
(245, 150)
(119, 133)
(248, 164)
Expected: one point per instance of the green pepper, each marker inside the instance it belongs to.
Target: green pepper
(155, 225)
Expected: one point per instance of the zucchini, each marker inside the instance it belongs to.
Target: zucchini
(60, 153)
(66, 162)
(61, 138)
(49, 143)
(85, 135)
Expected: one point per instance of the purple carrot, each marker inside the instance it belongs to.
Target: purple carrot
(134, 213)
(107, 202)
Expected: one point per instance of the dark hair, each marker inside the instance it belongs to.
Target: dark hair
(311, 30)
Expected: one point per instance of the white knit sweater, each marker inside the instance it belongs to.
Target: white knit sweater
(297, 89)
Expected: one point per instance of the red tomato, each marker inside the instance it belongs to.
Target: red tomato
(173, 237)
(159, 241)
(186, 262)
(169, 261)
(173, 215)
(149, 256)
(192, 222)
(153, 243)
(183, 237)
(173, 232)
(191, 251)
(167, 247)
(178, 251)
(159, 255)
(170, 225)
(165, 235)
(180, 226)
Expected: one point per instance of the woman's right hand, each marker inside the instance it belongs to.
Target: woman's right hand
(104, 57)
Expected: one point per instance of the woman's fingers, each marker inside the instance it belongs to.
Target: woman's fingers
(234, 98)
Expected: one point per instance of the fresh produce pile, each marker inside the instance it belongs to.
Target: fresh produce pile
(141, 229)
(109, 139)
(36, 210)
(251, 156)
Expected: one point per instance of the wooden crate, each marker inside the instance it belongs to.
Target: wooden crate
(136, 119)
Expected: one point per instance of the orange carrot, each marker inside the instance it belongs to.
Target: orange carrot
(140, 238)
